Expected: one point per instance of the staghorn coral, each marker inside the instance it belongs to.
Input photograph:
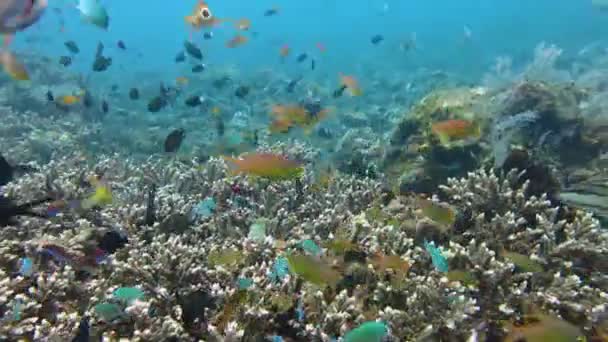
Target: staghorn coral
(191, 289)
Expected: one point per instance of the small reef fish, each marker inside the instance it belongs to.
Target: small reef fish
(180, 57)
(72, 46)
(68, 100)
(367, 332)
(93, 12)
(266, 165)
(288, 116)
(121, 45)
(437, 212)
(350, 83)
(13, 67)
(134, 94)
(208, 35)
(439, 261)
(271, 11)
(17, 15)
(236, 41)
(241, 92)
(377, 39)
(284, 51)
(313, 270)
(193, 50)
(242, 24)
(393, 262)
(198, 68)
(202, 17)
(544, 328)
(301, 57)
(449, 131)
(174, 140)
(65, 61)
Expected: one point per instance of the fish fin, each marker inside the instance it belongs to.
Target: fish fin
(233, 168)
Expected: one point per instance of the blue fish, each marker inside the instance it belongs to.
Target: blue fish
(26, 267)
(439, 261)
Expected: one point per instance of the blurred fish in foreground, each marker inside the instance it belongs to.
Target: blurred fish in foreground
(13, 67)
(93, 12)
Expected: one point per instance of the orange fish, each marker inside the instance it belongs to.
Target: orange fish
(456, 129)
(243, 24)
(69, 99)
(284, 51)
(266, 165)
(394, 262)
(202, 17)
(351, 84)
(13, 67)
(237, 41)
(181, 80)
(288, 116)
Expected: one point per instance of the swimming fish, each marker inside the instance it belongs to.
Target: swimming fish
(301, 57)
(367, 332)
(13, 67)
(288, 116)
(134, 94)
(351, 84)
(174, 140)
(68, 99)
(65, 60)
(456, 130)
(72, 46)
(377, 39)
(121, 45)
(242, 24)
(265, 165)
(439, 261)
(198, 68)
(241, 91)
(9, 210)
(202, 16)
(208, 35)
(544, 328)
(93, 12)
(313, 270)
(271, 11)
(193, 50)
(437, 212)
(236, 41)
(180, 57)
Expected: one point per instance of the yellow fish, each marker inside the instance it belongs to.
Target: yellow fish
(69, 99)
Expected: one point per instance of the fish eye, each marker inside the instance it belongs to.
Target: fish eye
(205, 13)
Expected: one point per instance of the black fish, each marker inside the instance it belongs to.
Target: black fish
(174, 140)
(292, 84)
(83, 334)
(241, 92)
(312, 64)
(193, 101)
(6, 171)
(10, 210)
(198, 68)
(338, 92)
(270, 12)
(208, 35)
(134, 94)
(114, 87)
(180, 57)
(301, 58)
(192, 50)
(104, 106)
(156, 104)
(65, 60)
(121, 45)
(72, 47)
(101, 63)
(221, 82)
(49, 96)
(377, 39)
(112, 241)
(87, 99)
